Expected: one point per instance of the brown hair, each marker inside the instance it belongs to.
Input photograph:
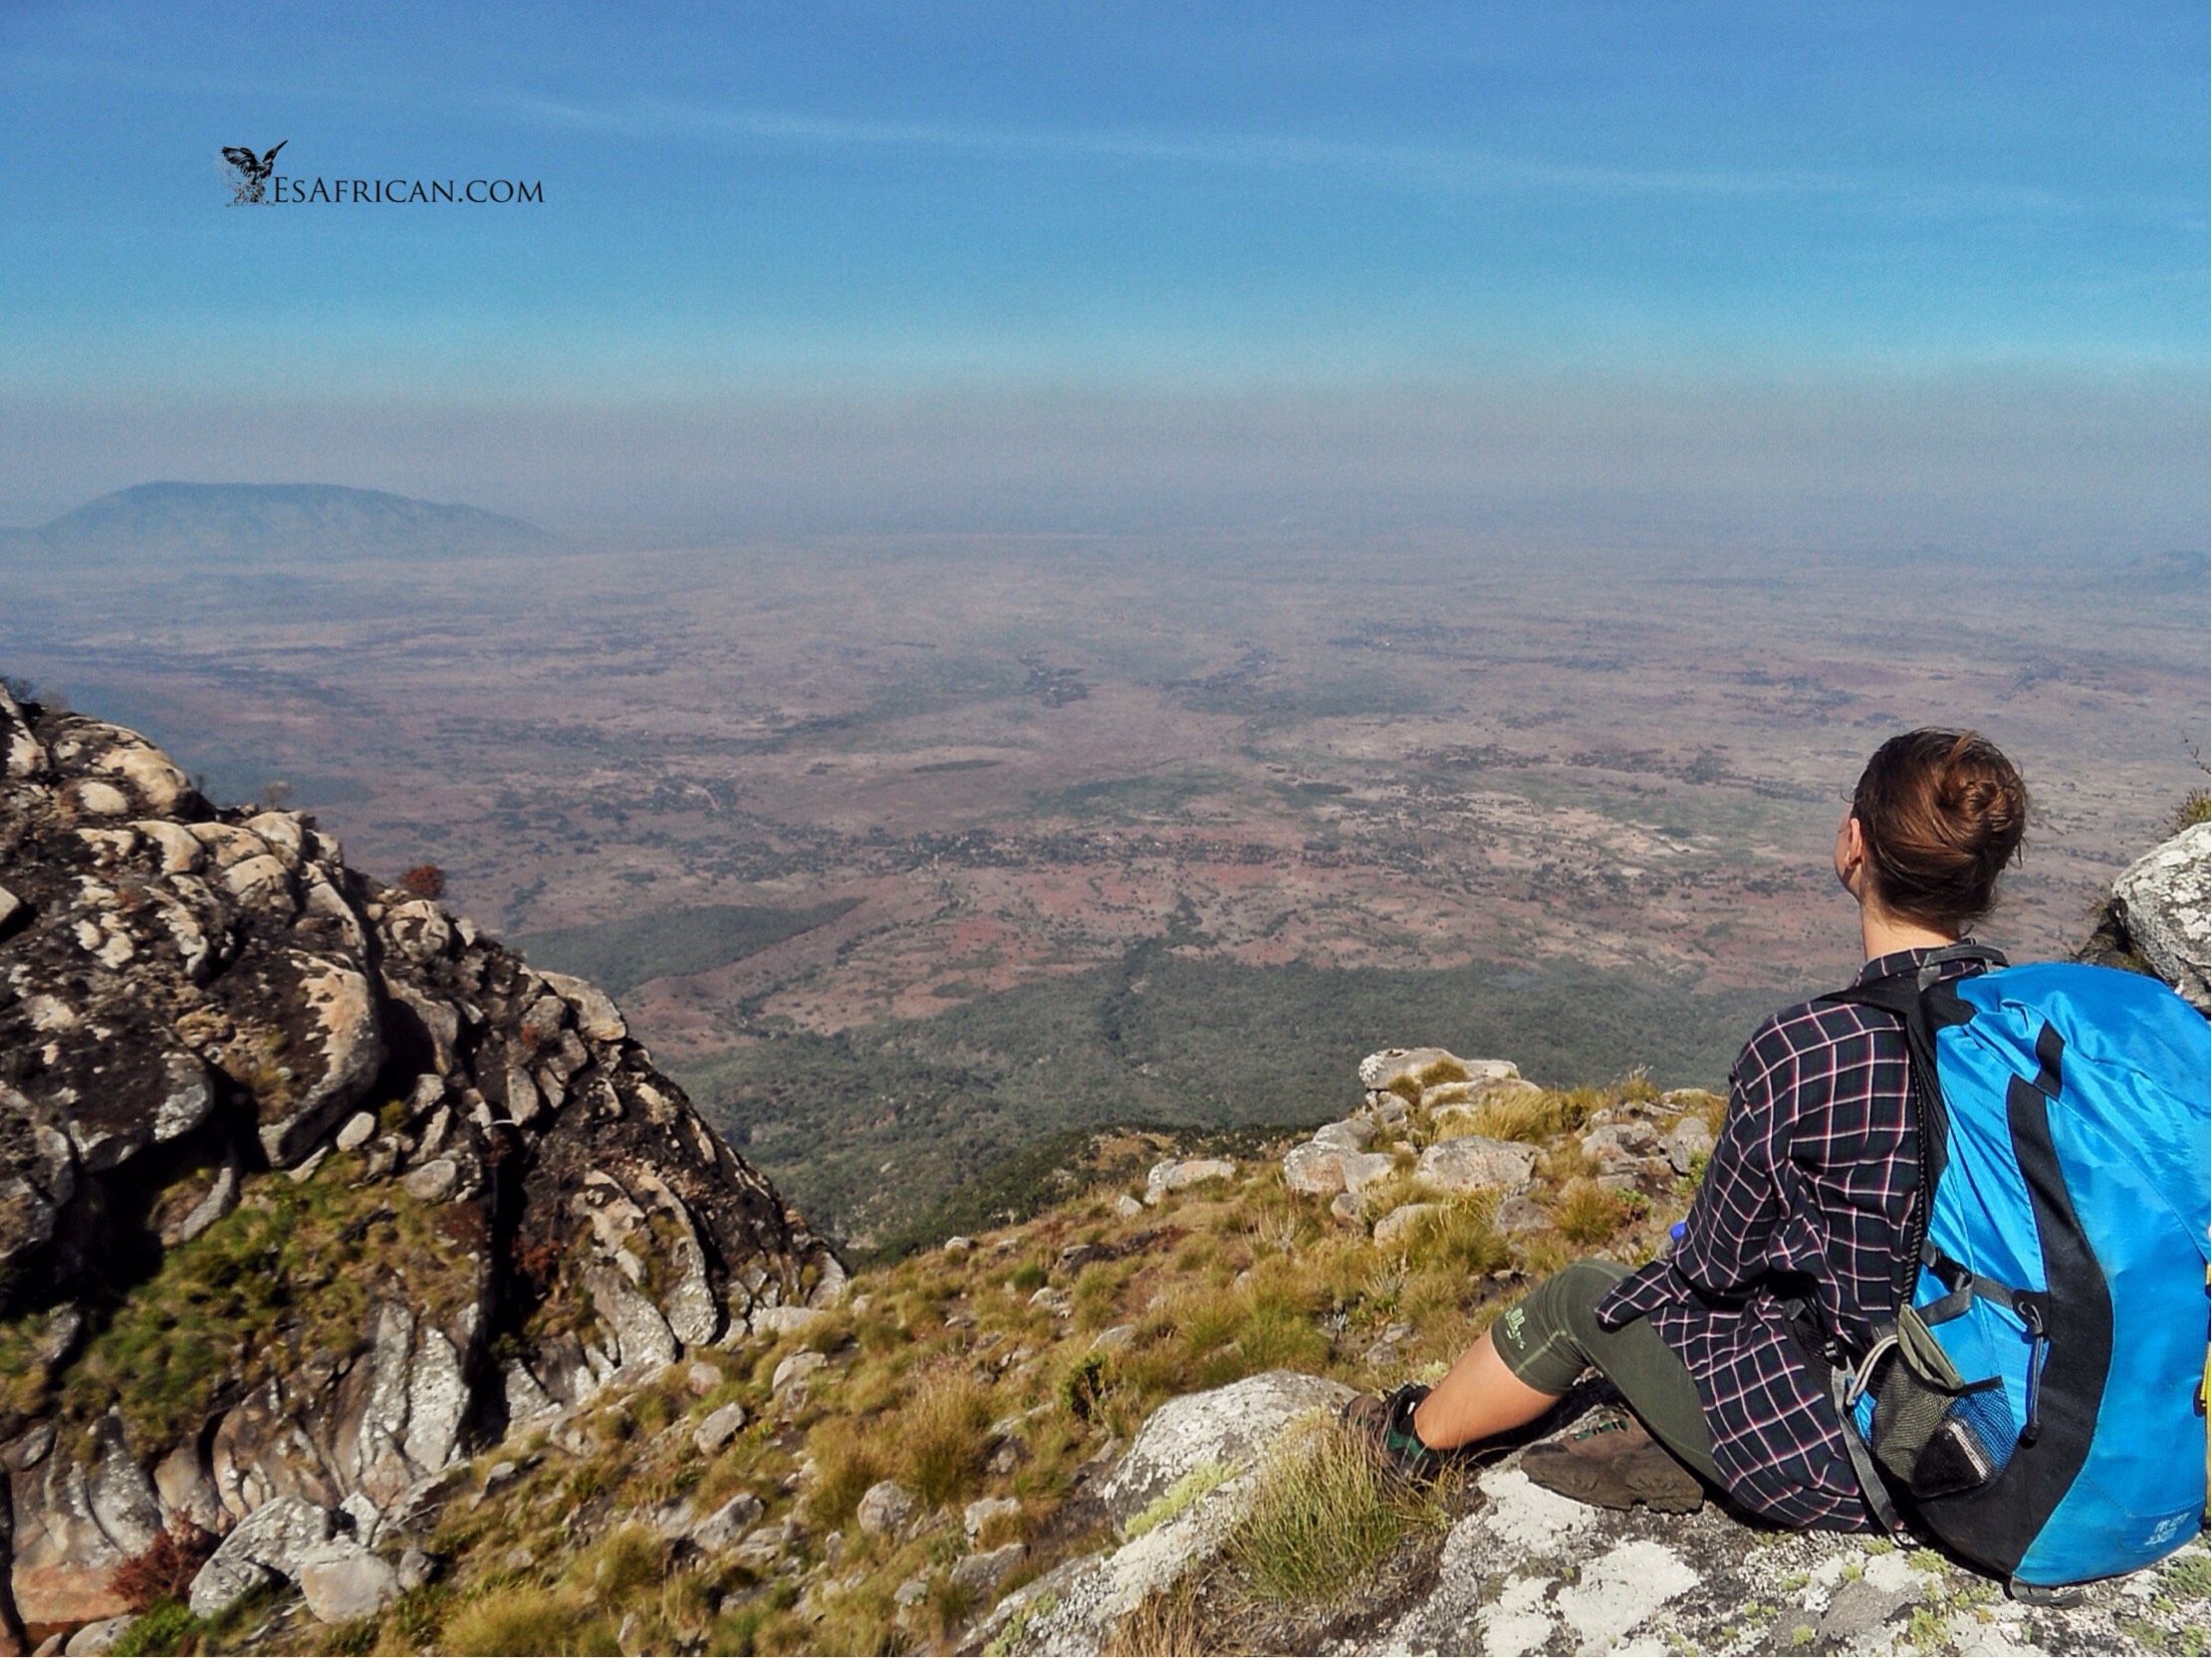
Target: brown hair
(1942, 813)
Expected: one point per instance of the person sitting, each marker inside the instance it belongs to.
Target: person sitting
(1804, 1202)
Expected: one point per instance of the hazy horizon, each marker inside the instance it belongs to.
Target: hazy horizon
(1807, 278)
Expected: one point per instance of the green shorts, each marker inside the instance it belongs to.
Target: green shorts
(1550, 1336)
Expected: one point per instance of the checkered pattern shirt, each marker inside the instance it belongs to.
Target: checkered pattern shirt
(1808, 1194)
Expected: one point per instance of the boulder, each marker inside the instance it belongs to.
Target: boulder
(1314, 1169)
(1361, 1169)
(720, 1427)
(1349, 1134)
(981, 1574)
(212, 996)
(268, 1543)
(342, 1581)
(1477, 1163)
(2164, 901)
(1228, 1426)
(727, 1523)
(885, 1508)
(1177, 1174)
(1687, 1141)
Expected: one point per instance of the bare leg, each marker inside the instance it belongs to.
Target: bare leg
(1479, 1398)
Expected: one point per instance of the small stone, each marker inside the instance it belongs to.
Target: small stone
(911, 1592)
(720, 1427)
(958, 1246)
(1518, 1215)
(1118, 1335)
(433, 1182)
(1350, 1134)
(416, 1569)
(357, 1131)
(1361, 1169)
(703, 1378)
(728, 1523)
(1399, 1222)
(1127, 1207)
(519, 1559)
(980, 1574)
(885, 1508)
(1348, 1211)
(306, 1171)
(797, 1368)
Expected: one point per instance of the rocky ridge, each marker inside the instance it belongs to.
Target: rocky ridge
(307, 1188)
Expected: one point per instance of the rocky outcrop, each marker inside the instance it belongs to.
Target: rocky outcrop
(286, 1156)
(1526, 1570)
(2159, 917)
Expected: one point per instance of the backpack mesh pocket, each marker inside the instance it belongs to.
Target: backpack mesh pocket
(1933, 1431)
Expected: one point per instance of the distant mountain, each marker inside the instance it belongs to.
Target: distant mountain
(230, 523)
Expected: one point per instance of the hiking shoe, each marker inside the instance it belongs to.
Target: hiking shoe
(1614, 1463)
(1383, 1423)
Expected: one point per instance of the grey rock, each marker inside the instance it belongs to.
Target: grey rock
(1361, 1169)
(728, 1523)
(1229, 1426)
(359, 1127)
(1477, 1163)
(647, 1342)
(911, 1592)
(1314, 1169)
(268, 1543)
(884, 1506)
(1688, 1140)
(798, 1368)
(1177, 1175)
(720, 1427)
(1349, 1134)
(432, 1182)
(343, 1581)
(2164, 901)
(1517, 1214)
(96, 1641)
(981, 1574)
(1399, 1222)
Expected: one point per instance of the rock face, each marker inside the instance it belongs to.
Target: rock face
(2162, 907)
(220, 1044)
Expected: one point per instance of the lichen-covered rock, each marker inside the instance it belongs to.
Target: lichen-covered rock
(215, 1038)
(1477, 1163)
(2164, 901)
(1230, 1426)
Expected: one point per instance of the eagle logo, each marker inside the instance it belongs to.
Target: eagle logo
(252, 172)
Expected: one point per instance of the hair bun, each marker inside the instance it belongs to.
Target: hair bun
(1942, 814)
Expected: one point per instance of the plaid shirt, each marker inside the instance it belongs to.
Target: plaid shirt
(1808, 1194)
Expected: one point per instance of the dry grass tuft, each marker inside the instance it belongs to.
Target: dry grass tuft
(526, 1620)
(1585, 1213)
(1324, 1516)
(941, 1436)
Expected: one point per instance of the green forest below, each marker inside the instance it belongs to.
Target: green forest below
(618, 956)
(889, 1134)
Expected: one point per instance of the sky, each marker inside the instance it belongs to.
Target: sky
(1888, 275)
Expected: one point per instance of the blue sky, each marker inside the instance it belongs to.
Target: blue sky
(899, 238)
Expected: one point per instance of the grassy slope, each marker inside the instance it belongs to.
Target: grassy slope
(1222, 1280)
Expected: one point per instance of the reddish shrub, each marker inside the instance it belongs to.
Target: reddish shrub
(166, 1569)
(425, 880)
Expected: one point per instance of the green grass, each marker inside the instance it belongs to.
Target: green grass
(292, 1271)
(618, 956)
(1324, 1516)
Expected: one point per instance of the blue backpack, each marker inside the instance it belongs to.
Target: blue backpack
(2037, 1404)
